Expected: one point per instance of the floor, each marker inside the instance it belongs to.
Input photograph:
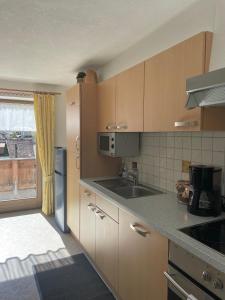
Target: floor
(20, 194)
(27, 239)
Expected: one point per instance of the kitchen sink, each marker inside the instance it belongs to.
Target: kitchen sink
(127, 189)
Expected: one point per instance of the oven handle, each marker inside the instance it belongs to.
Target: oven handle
(179, 288)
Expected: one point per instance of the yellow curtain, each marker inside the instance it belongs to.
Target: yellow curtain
(44, 108)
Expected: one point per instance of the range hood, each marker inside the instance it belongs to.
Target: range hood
(206, 90)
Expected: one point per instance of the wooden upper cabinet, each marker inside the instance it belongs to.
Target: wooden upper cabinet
(73, 117)
(106, 104)
(129, 99)
(165, 85)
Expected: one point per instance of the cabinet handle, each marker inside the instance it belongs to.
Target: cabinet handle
(121, 126)
(87, 193)
(178, 287)
(140, 229)
(72, 103)
(91, 207)
(100, 214)
(110, 127)
(186, 123)
(77, 160)
(76, 143)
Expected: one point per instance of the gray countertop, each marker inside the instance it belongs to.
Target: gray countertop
(167, 216)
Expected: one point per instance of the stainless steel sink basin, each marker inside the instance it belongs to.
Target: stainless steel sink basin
(126, 189)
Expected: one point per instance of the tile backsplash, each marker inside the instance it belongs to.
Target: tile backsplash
(161, 155)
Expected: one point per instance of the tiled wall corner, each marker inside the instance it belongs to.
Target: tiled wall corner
(160, 160)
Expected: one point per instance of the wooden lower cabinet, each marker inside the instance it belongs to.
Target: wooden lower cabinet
(130, 256)
(87, 221)
(142, 260)
(107, 247)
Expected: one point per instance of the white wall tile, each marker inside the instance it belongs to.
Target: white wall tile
(196, 155)
(196, 143)
(178, 142)
(170, 141)
(218, 144)
(160, 160)
(186, 141)
(207, 143)
(206, 157)
(218, 158)
(186, 155)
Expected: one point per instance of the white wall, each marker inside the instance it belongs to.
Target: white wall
(60, 107)
(201, 16)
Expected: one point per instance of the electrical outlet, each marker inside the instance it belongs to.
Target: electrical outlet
(185, 166)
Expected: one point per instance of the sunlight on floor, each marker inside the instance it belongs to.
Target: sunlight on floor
(27, 234)
(28, 239)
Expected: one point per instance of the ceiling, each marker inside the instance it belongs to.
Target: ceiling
(48, 41)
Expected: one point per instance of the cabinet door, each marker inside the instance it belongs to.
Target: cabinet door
(87, 221)
(129, 99)
(107, 247)
(73, 158)
(106, 105)
(142, 260)
(165, 86)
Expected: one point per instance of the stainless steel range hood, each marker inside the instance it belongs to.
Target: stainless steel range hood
(206, 90)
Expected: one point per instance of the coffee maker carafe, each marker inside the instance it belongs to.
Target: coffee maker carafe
(205, 190)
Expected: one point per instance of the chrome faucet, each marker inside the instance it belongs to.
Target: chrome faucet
(132, 175)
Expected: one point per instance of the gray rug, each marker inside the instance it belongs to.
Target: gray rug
(71, 278)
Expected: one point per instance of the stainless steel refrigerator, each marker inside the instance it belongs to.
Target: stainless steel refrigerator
(60, 189)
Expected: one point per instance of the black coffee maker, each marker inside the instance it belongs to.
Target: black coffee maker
(205, 190)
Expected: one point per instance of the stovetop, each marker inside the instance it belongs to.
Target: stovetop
(211, 234)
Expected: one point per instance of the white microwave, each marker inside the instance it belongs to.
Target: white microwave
(118, 144)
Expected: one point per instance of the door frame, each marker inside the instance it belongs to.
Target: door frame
(26, 203)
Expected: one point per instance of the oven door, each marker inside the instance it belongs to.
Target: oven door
(181, 287)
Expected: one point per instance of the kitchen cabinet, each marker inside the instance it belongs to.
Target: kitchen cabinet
(129, 99)
(87, 221)
(83, 159)
(73, 158)
(99, 235)
(107, 247)
(107, 105)
(120, 101)
(143, 256)
(165, 88)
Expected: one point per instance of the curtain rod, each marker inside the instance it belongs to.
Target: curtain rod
(29, 91)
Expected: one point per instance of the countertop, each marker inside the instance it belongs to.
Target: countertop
(167, 216)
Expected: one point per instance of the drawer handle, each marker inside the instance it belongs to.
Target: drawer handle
(100, 214)
(87, 193)
(72, 103)
(91, 207)
(186, 123)
(139, 229)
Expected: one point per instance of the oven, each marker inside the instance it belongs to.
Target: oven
(183, 287)
(190, 278)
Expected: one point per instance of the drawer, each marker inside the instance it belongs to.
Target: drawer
(110, 209)
(87, 194)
